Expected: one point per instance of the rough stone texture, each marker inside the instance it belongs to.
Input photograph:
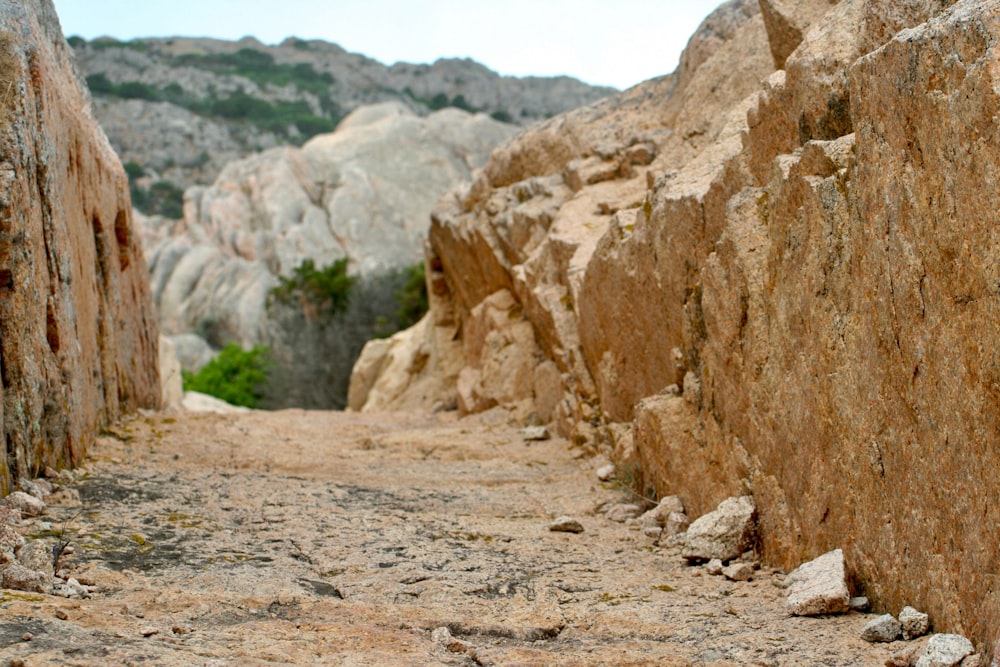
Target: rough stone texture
(36, 555)
(884, 628)
(26, 504)
(797, 294)
(566, 524)
(819, 587)
(738, 572)
(77, 330)
(945, 650)
(364, 192)
(724, 533)
(915, 623)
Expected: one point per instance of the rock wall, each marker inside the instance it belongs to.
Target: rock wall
(78, 335)
(772, 271)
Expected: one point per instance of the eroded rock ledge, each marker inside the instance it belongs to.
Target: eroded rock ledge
(744, 278)
(78, 336)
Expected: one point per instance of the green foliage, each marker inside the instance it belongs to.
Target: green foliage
(134, 170)
(260, 67)
(236, 375)
(76, 41)
(100, 84)
(502, 117)
(135, 44)
(136, 90)
(299, 335)
(412, 296)
(327, 289)
(162, 198)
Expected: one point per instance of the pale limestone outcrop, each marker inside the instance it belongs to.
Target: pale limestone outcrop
(78, 336)
(363, 192)
(796, 295)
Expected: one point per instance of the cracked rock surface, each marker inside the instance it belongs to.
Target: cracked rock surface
(302, 538)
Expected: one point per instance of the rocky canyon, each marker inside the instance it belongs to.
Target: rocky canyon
(708, 375)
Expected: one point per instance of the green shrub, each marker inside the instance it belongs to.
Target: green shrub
(162, 198)
(136, 90)
(502, 117)
(236, 376)
(100, 84)
(412, 297)
(327, 289)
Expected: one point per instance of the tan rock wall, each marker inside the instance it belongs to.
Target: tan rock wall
(795, 297)
(78, 336)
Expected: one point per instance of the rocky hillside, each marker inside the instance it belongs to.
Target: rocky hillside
(362, 194)
(78, 343)
(773, 271)
(180, 109)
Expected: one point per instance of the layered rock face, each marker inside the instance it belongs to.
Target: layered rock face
(364, 192)
(770, 272)
(78, 335)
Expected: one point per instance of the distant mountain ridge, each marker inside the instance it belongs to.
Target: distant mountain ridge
(178, 109)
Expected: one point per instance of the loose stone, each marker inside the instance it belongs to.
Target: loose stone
(738, 572)
(915, 623)
(944, 650)
(819, 587)
(885, 628)
(566, 524)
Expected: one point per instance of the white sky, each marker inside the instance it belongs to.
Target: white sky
(610, 42)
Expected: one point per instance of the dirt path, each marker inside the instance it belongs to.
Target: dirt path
(337, 539)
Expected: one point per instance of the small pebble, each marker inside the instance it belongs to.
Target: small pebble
(605, 473)
(27, 637)
(738, 572)
(61, 615)
(566, 524)
(623, 512)
(149, 632)
(859, 603)
(714, 567)
(534, 433)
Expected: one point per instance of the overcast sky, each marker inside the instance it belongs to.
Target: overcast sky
(610, 42)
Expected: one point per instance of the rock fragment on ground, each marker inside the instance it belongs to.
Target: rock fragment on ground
(945, 650)
(914, 623)
(884, 628)
(738, 572)
(860, 603)
(724, 533)
(677, 523)
(714, 567)
(606, 473)
(535, 433)
(566, 524)
(26, 503)
(819, 586)
(36, 555)
(623, 512)
(20, 578)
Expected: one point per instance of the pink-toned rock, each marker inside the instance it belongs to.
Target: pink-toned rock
(77, 327)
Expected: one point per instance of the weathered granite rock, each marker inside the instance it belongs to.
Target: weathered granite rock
(914, 623)
(819, 587)
(77, 330)
(808, 260)
(25, 503)
(724, 533)
(364, 192)
(945, 650)
(738, 572)
(20, 578)
(36, 555)
(884, 628)
(197, 402)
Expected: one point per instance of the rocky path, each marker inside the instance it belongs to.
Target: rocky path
(299, 538)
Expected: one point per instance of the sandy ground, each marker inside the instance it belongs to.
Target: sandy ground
(320, 538)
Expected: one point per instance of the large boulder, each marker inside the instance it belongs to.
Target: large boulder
(78, 335)
(364, 192)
